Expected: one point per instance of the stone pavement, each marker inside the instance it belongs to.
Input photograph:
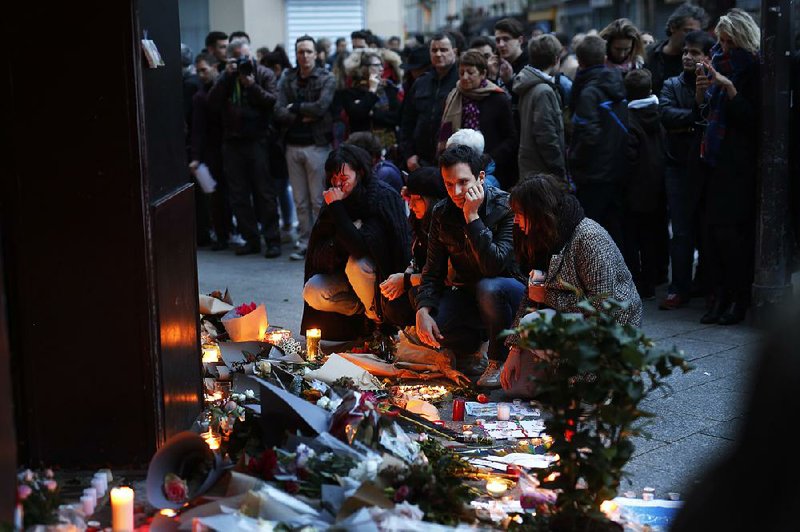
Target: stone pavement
(696, 422)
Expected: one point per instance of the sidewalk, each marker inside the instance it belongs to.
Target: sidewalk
(696, 422)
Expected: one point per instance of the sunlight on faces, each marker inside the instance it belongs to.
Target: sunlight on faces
(469, 77)
(345, 179)
(508, 47)
(442, 53)
(457, 180)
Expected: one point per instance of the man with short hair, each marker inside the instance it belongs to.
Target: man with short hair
(358, 39)
(245, 96)
(424, 104)
(597, 161)
(664, 59)
(393, 43)
(341, 48)
(304, 99)
(680, 116)
(488, 50)
(509, 36)
(471, 232)
(217, 45)
(541, 146)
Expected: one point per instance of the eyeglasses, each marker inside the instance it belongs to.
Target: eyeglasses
(377, 65)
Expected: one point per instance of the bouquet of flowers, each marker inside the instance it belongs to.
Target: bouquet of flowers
(39, 494)
(246, 323)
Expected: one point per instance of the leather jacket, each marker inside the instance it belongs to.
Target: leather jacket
(680, 116)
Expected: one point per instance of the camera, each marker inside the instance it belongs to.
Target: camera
(245, 66)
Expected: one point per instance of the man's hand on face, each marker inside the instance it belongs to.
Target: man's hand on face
(427, 330)
(473, 199)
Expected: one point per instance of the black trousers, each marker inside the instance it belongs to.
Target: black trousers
(730, 250)
(641, 249)
(251, 191)
(602, 202)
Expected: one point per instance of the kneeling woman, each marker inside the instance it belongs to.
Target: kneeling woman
(360, 237)
(553, 236)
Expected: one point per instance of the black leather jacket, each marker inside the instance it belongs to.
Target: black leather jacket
(483, 248)
(680, 116)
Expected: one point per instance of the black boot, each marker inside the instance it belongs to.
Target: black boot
(733, 314)
(716, 311)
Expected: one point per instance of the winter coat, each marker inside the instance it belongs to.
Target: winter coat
(600, 120)
(680, 115)
(363, 111)
(480, 249)
(422, 114)
(541, 144)
(312, 101)
(660, 66)
(647, 154)
(384, 236)
(246, 111)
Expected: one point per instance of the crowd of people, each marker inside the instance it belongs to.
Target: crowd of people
(570, 159)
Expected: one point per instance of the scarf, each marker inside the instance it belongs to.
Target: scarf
(732, 65)
(461, 110)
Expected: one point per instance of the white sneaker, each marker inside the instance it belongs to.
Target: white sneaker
(491, 375)
(300, 254)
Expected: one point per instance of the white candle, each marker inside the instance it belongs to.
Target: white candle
(102, 478)
(99, 484)
(496, 487)
(122, 510)
(210, 353)
(503, 411)
(87, 505)
(107, 473)
(91, 492)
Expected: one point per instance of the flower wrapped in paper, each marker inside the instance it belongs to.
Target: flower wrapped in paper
(246, 323)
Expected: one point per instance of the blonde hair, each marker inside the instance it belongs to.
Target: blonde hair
(741, 27)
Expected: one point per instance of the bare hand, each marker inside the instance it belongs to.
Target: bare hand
(472, 201)
(374, 81)
(506, 71)
(427, 330)
(247, 81)
(493, 66)
(332, 194)
(512, 369)
(412, 163)
(393, 287)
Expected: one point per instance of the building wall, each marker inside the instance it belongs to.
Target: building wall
(385, 18)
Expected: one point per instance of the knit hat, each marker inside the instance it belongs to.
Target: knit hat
(426, 181)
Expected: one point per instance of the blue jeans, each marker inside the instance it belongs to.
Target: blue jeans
(467, 313)
(682, 202)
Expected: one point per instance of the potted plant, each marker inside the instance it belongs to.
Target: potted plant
(591, 376)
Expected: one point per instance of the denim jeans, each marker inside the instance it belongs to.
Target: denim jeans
(350, 292)
(466, 314)
(683, 213)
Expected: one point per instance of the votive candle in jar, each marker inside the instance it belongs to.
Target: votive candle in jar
(503, 411)
(496, 487)
(313, 337)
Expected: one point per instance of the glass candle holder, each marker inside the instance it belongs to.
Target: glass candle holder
(313, 337)
(210, 353)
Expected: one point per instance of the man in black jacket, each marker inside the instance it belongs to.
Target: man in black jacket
(680, 115)
(597, 161)
(245, 95)
(424, 104)
(664, 58)
(471, 233)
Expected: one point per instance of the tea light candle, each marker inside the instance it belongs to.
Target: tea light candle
(648, 494)
(210, 353)
(313, 337)
(168, 512)
(87, 505)
(503, 412)
(611, 509)
(99, 484)
(122, 509)
(496, 487)
(212, 440)
(278, 336)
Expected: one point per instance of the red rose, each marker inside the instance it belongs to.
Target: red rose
(402, 493)
(290, 486)
(245, 309)
(266, 464)
(175, 489)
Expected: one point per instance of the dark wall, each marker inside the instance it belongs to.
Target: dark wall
(97, 142)
(8, 440)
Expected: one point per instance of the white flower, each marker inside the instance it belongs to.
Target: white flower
(306, 370)
(366, 469)
(264, 367)
(324, 402)
(27, 475)
(304, 454)
(250, 394)
(238, 397)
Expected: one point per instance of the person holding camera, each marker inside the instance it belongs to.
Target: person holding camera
(245, 95)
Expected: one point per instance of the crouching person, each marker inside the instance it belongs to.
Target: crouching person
(471, 233)
(360, 237)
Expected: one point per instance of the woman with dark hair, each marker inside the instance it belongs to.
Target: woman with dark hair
(360, 237)
(477, 103)
(572, 256)
(371, 103)
(424, 188)
(624, 48)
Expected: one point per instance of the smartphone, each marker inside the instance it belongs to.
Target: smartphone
(703, 69)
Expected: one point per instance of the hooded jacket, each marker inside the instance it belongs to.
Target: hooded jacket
(541, 143)
(600, 127)
(647, 154)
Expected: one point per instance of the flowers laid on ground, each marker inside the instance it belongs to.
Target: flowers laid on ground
(175, 488)
(245, 309)
(39, 494)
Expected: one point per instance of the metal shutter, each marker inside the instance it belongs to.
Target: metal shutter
(322, 18)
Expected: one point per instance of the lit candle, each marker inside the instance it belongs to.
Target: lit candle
(210, 353)
(212, 440)
(313, 337)
(611, 509)
(503, 411)
(496, 487)
(122, 509)
(168, 512)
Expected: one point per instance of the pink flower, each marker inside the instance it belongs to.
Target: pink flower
(23, 491)
(175, 488)
(51, 485)
(402, 493)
